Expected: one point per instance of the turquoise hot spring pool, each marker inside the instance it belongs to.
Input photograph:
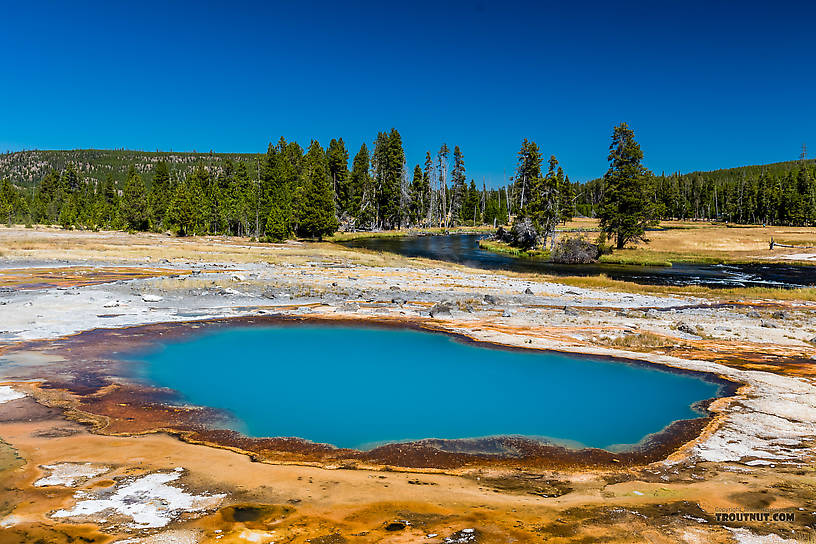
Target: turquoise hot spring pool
(359, 387)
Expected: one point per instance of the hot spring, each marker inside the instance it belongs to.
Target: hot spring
(358, 387)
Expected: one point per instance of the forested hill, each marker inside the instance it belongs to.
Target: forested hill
(782, 193)
(775, 169)
(28, 168)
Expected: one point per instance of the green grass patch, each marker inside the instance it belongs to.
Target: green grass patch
(507, 249)
(638, 258)
(602, 281)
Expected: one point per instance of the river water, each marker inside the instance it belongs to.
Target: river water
(464, 249)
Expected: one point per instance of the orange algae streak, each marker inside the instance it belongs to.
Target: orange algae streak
(48, 278)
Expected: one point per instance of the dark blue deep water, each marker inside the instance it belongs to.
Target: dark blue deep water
(359, 387)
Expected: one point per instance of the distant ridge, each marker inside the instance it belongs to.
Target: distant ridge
(27, 168)
(750, 170)
(732, 174)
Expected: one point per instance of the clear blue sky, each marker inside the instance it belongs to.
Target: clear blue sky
(704, 84)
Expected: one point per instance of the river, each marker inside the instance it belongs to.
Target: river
(464, 249)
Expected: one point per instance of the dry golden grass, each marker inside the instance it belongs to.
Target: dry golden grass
(690, 241)
(705, 242)
(53, 243)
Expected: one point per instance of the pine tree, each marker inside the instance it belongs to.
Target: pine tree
(427, 175)
(134, 204)
(388, 161)
(69, 182)
(566, 206)
(187, 211)
(469, 211)
(392, 212)
(528, 171)
(338, 156)
(7, 201)
(626, 209)
(280, 178)
(314, 211)
(244, 204)
(416, 196)
(109, 201)
(362, 194)
(159, 194)
(459, 189)
(542, 207)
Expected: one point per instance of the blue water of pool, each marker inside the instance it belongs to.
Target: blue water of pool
(362, 386)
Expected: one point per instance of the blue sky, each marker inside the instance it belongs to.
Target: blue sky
(704, 84)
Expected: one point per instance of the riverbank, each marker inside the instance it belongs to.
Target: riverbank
(690, 242)
(764, 433)
(506, 249)
(433, 231)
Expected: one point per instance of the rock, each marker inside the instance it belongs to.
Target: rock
(268, 293)
(238, 277)
(394, 288)
(780, 315)
(350, 307)
(490, 299)
(334, 284)
(111, 304)
(151, 298)
(397, 300)
(575, 250)
(523, 234)
(164, 261)
(753, 314)
(395, 526)
(686, 328)
(569, 310)
(195, 272)
(440, 308)
(767, 324)
(528, 291)
(651, 313)
(507, 313)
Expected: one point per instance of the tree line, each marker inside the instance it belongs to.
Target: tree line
(290, 191)
(286, 192)
(780, 194)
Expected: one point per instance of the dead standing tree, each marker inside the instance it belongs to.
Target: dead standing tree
(442, 158)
